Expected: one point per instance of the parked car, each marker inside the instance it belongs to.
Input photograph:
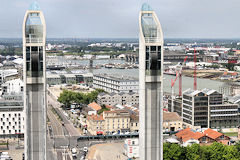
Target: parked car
(85, 149)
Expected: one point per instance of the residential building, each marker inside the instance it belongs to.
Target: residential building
(115, 83)
(11, 86)
(189, 136)
(150, 84)
(134, 123)
(172, 122)
(118, 98)
(95, 124)
(34, 77)
(12, 116)
(94, 107)
(109, 122)
(117, 121)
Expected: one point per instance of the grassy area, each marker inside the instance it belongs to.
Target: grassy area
(231, 134)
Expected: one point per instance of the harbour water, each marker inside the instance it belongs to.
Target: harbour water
(187, 81)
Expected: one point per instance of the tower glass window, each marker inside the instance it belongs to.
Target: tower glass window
(153, 60)
(34, 28)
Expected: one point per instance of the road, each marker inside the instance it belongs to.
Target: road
(57, 128)
(72, 131)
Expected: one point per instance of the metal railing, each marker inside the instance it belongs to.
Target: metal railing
(34, 40)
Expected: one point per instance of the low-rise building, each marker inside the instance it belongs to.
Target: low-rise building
(95, 124)
(134, 123)
(172, 122)
(117, 121)
(131, 148)
(118, 98)
(110, 121)
(71, 78)
(94, 107)
(189, 136)
(115, 83)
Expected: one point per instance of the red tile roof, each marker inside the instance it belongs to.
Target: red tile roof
(95, 106)
(95, 117)
(212, 134)
(188, 133)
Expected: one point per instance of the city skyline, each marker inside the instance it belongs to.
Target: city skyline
(112, 19)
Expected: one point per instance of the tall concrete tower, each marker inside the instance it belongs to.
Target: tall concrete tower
(34, 72)
(150, 85)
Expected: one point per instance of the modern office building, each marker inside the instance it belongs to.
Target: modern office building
(150, 85)
(34, 75)
(207, 109)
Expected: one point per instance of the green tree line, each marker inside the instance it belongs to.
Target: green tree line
(68, 97)
(216, 151)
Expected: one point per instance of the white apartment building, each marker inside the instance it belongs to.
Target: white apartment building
(118, 98)
(11, 116)
(12, 86)
(9, 74)
(114, 83)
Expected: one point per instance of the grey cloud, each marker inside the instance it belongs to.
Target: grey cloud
(111, 18)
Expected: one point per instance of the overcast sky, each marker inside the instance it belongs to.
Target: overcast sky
(119, 18)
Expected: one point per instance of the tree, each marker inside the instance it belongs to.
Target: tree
(193, 152)
(66, 97)
(216, 151)
(173, 152)
(69, 97)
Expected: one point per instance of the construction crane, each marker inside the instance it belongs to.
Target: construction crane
(195, 71)
(172, 84)
(178, 75)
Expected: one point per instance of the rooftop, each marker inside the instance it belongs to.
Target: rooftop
(189, 133)
(116, 77)
(171, 116)
(191, 92)
(95, 106)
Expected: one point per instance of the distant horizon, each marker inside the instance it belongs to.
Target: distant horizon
(125, 38)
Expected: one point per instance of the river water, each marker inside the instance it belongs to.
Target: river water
(187, 82)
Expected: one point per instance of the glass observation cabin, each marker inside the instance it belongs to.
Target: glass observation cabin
(152, 36)
(34, 45)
